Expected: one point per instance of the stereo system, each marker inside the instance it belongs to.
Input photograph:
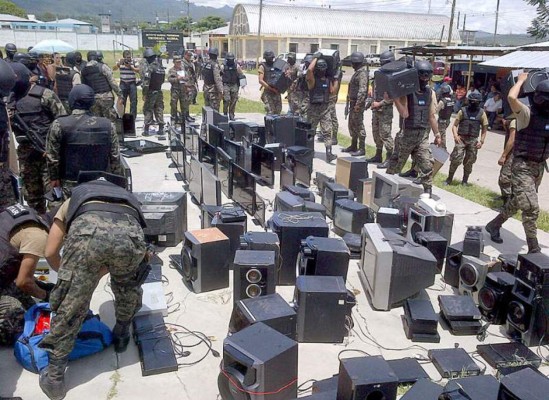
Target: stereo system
(472, 274)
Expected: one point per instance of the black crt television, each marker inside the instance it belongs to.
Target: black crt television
(286, 201)
(178, 156)
(235, 151)
(287, 177)
(260, 210)
(211, 187)
(219, 118)
(243, 188)
(206, 154)
(187, 163)
(302, 173)
(386, 188)
(263, 164)
(194, 178)
(216, 136)
(224, 171)
(350, 216)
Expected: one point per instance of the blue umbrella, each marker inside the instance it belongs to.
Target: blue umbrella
(52, 46)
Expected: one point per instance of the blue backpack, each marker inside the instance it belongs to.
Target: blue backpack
(94, 337)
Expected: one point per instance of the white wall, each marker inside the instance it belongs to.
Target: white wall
(80, 41)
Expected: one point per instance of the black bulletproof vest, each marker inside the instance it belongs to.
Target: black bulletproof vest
(4, 133)
(321, 92)
(230, 74)
(92, 76)
(35, 116)
(63, 78)
(101, 191)
(158, 76)
(10, 259)
(448, 108)
(85, 145)
(418, 109)
(208, 73)
(269, 70)
(532, 142)
(470, 124)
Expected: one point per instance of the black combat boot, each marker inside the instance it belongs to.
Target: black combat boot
(428, 190)
(377, 158)
(361, 148)
(533, 245)
(188, 118)
(52, 378)
(464, 181)
(493, 228)
(121, 336)
(385, 163)
(231, 117)
(352, 147)
(411, 173)
(329, 156)
(334, 138)
(146, 131)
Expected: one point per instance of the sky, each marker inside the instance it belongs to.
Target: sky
(514, 15)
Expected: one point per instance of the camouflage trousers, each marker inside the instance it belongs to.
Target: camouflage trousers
(319, 114)
(465, 153)
(382, 123)
(302, 99)
(153, 104)
(415, 143)
(525, 180)
(35, 177)
(7, 194)
(181, 98)
(13, 304)
(94, 240)
(272, 101)
(230, 97)
(293, 102)
(442, 127)
(212, 97)
(104, 107)
(333, 116)
(505, 177)
(356, 123)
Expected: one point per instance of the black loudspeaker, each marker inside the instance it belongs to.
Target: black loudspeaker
(205, 258)
(527, 314)
(472, 274)
(292, 228)
(259, 363)
(453, 262)
(366, 378)
(396, 79)
(323, 256)
(301, 153)
(525, 384)
(262, 241)
(473, 243)
(533, 269)
(280, 129)
(482, 387)
(494, 297)
(233, 230)
(320, 303)
(254, 274)
(304, 136)
(436, 244)
(271, 309)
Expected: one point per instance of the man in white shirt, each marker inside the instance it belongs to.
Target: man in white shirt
(493, 107)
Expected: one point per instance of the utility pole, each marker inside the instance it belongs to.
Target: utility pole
(459, 15)
(496, 27)
(451, 23)
(259, 32)
(429, 9)
(189, 20)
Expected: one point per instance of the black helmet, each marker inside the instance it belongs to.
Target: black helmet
(92, 55)
(321, 65)
(78, 57)
(33, 55)
(268, 54)
(148, 53)
(307, 59)
(81, 97)
(99, 55)
(357, 57)
(424, 69)
(70, 59)
(230, 56)
(7, 78)
(22, 80)
(291, 56)
(541, 94)
(213, 51)
(474, 97)
(11, 49)
(386, 57)
(23, 58)
(445, 89)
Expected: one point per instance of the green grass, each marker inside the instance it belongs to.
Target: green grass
(475, 193)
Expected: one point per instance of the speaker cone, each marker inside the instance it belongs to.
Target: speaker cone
(468, 274)
(254, 275)
(487, 299)
(253, 290)
(188, 263)
(376, 395)
(517, 315)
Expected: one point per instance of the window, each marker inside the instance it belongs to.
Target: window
(292, 47)
(314, 47)
(373, 48)
(354, 48)
(334, 46)
(392, 48)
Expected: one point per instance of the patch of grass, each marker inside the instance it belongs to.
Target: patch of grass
(113, 391)
(475, 193)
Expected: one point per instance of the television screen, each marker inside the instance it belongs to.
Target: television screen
(286, 177)
(302, 173)
(206, 154)
(263, 164)
(382, 192)
(385, 188)
(215, 136)
(223, 170)
(260, 210)
(243, 188)
(195, 179)
(190, 140)
(211, 187)
(219, 118)
(235, 151)
(187, 163)
(343, 219)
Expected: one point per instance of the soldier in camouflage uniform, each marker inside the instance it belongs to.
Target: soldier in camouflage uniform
(445, 108)
(530, 155)
(192, 81)
(271, 96)
(153, 75)
(419, 112)
(320, 87)
(178, 91)
(332, 105)
(7, 80)
(98, 237)
(98, 76)
(300, 89)
(468, 124)
(37, 107)
(71, 137)
(231, 74)
(356, 100)
(506, 161)
(213, 85)
(292, 74)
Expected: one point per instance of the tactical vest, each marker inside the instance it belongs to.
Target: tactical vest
(114, 196)
(157, 78)
(268, 71)
(10, 259)
(85, 145)
(4, 134)
(470, 124)
(31, 111)
(447, 110)
(208, 73)
(320, 94)
(63, 78)
(354, 84)
(92, 76)
(419, 105)
(230, 74)
(532, 142)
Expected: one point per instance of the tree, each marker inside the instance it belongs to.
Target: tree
(540, 25)
(8, 7)
(208, 23)
(182, 24)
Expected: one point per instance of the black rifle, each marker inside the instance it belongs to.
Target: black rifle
(37, 141)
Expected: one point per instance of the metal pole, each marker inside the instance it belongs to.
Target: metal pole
(496, 27)
(470, 71)
(451, 23)
(259, 32)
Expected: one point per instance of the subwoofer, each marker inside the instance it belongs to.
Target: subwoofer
(472, 274)
(254, 274)
(366, 378)
(453, 262)
(494, 297)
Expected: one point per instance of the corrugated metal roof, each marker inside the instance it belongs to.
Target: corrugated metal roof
(324, 22)
(12, 18)
(521, 59)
